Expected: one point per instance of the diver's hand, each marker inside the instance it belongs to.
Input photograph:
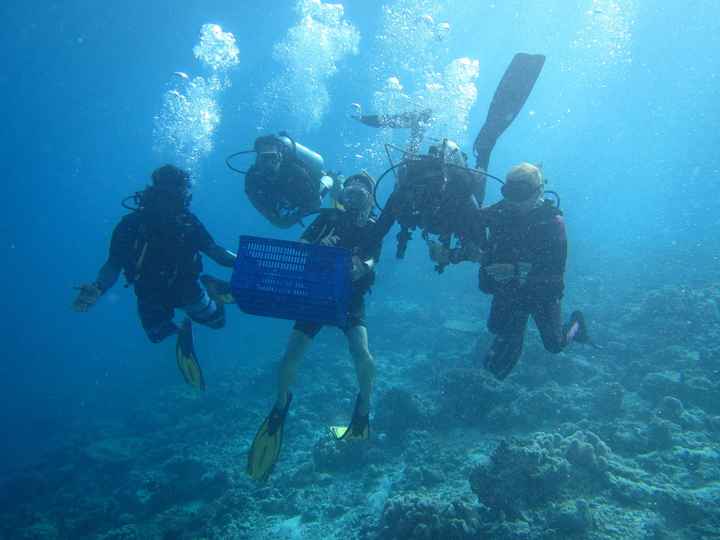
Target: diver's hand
(359, 268)
(330, 240)
(87, 297)
(438, 253)
(501, 273)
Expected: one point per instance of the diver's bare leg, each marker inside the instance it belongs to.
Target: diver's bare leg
(364, 365)
(298, 344)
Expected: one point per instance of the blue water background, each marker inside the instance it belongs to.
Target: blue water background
(633, 150)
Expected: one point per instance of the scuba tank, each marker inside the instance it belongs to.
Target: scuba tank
(313, 161)
(288, 148)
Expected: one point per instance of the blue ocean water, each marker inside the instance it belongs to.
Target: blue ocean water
(623, 118)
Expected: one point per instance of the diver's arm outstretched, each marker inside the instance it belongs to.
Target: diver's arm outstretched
(123, 238)
(90, 293)
(223, 257)
(108, 275)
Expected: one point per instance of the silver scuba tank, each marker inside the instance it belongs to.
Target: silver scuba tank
(312, 160)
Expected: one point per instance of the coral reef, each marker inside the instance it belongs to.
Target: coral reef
(616, 443)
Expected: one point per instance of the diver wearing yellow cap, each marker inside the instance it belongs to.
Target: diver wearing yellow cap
(523, 267)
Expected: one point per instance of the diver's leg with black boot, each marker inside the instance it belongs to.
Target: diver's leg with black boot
(200, 308)
(156, 318)
(508, 321)
(357, 336)
(555, 335)
(548, 319)
(359, 427)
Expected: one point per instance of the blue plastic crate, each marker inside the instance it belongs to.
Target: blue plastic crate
(292, 280)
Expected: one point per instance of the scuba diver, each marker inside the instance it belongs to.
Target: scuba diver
(522, 267)
(433, 193)
(287, 181)
(349, 227)
(158, 247)
(437, 192)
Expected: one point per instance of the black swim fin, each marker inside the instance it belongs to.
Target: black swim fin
(266, 446)
(358, 430)
(510, 96)
(186, 359)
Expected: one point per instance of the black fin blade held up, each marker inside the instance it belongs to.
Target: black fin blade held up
(510, 97)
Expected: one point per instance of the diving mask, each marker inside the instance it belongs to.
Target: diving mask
(357, 202)
(269, 160)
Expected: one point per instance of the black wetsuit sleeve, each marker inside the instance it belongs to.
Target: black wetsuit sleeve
(302, 190)
(473, 225)
(372, 251)
(387, 218)
(223, 257)
(201, 238)
(548, 268)
(204, 242)
(318, 229)
(121, 250)
(258, 198)
(107, 276)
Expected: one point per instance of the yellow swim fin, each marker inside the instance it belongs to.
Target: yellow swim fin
(265, 449)
(186, 359)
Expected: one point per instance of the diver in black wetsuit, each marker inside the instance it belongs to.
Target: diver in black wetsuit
(158, 247)
(522, 267)
(287, 181)
(437, 192)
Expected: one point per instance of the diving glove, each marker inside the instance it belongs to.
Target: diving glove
(87, 297)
